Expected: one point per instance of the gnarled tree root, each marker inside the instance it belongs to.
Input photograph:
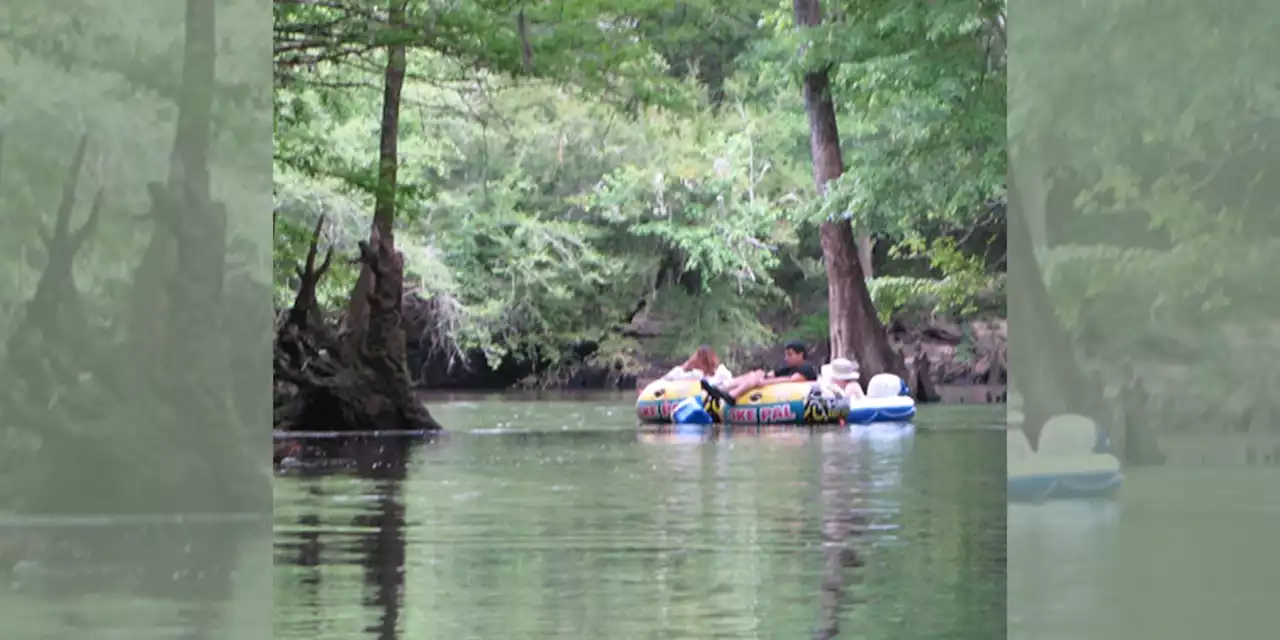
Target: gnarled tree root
(326, 384)
(320, 390)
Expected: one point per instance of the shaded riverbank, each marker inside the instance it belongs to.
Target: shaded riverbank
(954, 354)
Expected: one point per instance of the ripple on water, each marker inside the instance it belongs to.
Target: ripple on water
(600, 534)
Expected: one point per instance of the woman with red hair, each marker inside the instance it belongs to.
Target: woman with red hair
(702, 364)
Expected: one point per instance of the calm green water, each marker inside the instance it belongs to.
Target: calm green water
(542, 519)
(556, 520)
(1182, 554)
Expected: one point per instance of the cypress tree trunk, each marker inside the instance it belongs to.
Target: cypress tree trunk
(856, 330)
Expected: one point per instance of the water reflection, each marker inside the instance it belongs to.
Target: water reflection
(377, 541)
(135, 576)
(385, 550)
(766, 533)
(1181, 553)
(678, 434)
(1058, 550)
(838, 496)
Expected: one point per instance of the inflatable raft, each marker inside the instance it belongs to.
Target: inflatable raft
(1071, 462)
(888, 399)
(684, 402)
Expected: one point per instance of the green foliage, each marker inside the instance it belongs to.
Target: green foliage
(957, 296)
(658, 162)
(539, 220)
(92, 67)
(915, 298)
(591, 45)
(1165, 190)
(1185, 149)
(921, 93)
(812, 328)
(1134, 290)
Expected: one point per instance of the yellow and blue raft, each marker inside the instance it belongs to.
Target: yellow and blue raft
(779, 403)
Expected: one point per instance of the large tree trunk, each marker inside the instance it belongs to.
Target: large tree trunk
(383, 346)
(360, 382)
(866, 255)
(384, 338)
(1042, 360)
(856, 331)
(1033, 187)
(384, 208)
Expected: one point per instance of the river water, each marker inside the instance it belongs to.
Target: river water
(1184, 553)
(558, 519)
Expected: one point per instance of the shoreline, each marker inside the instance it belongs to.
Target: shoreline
(949, 394)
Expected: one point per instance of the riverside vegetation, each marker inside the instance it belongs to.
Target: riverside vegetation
(587, 190)
(593, 189)
(572, 194)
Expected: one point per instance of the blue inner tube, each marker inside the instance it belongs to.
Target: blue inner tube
(1038, 488)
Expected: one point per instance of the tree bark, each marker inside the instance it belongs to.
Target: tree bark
(384, 208)
(365, 385)
(856, 330)
(1034, 189)
(1042, 361)
(356, 321)
(866, 255)
(385, 333)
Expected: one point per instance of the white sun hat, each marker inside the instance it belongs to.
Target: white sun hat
(843, 369)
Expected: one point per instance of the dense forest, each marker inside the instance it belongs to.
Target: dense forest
(584, 191)
(575, 194)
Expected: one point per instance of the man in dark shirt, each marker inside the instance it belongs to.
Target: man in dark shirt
(795, 369)
(794, 363)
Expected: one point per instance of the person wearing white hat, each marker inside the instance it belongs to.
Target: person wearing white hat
(843, 374)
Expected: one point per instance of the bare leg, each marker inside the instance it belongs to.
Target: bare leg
(729, 391)
(744, 383)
